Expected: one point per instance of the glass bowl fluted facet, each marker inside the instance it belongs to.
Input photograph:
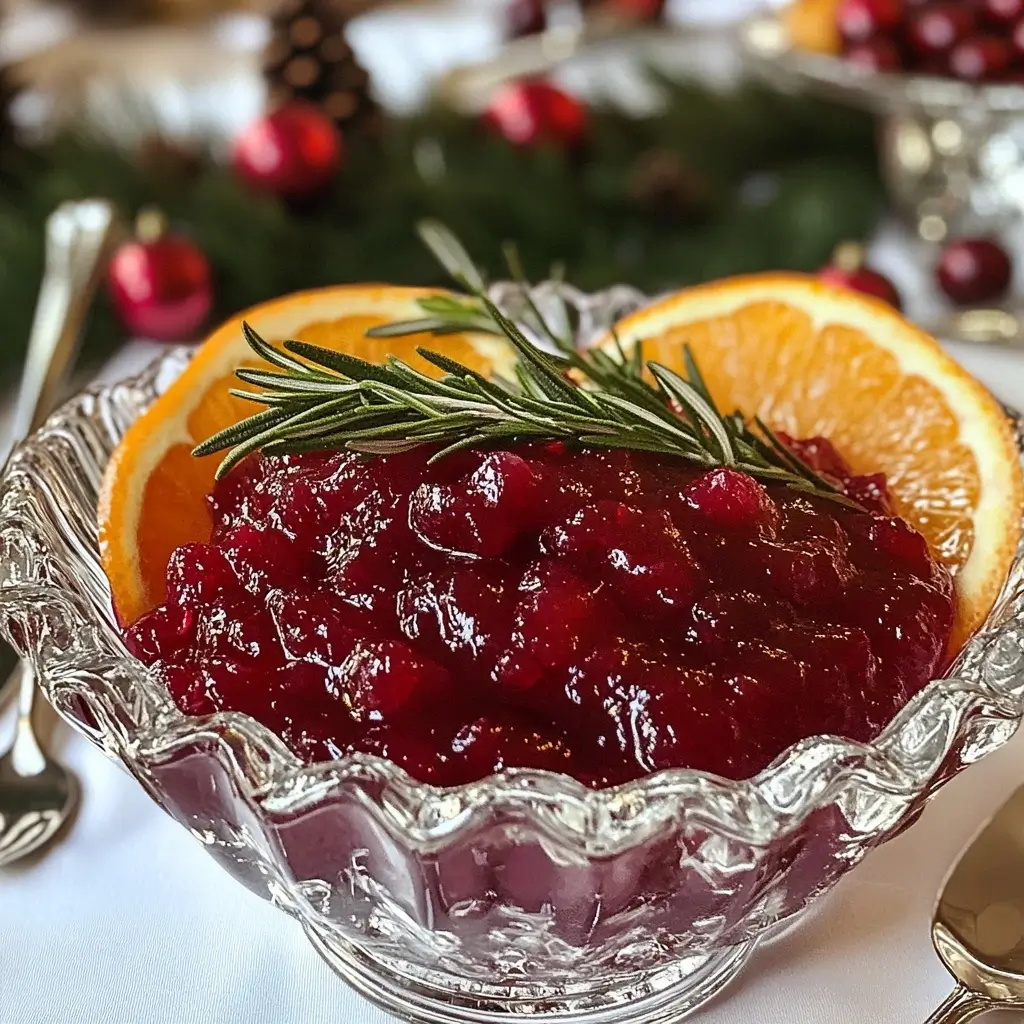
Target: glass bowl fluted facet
(525, 894)
(952, 152)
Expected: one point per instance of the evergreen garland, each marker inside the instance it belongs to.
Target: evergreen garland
(781, 181)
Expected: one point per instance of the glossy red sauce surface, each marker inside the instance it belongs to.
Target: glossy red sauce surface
(604, 614)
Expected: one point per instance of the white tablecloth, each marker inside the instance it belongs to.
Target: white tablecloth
(128, 921)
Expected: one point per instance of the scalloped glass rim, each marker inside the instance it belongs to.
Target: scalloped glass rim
(766, 43)
(55, 609)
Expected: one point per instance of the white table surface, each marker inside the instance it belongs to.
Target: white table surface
(128, 921)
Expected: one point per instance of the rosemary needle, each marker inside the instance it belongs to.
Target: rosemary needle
(319, 399)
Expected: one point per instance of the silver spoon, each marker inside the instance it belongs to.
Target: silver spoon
(38, 795)
(978, 927)
(1001, 327)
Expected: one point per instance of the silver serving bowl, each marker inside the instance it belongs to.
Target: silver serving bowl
(952, 152)
(525, 894)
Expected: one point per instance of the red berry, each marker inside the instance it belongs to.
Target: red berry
(973, 270)
(898, 538)
(1017, 41)
(980, 58)
(382, 678)
(481, 514)
(865, 281)
(870, 490)
(528, 113)
(525, 18)
(934, 30)
(847, 270)
(860, 20)
(876, 55)
(999, 13)
(294, 152)
(638, 554)
(732, 500)
(820, 454)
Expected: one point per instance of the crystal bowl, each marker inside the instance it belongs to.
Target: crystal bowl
(525, 894)
(952, 153)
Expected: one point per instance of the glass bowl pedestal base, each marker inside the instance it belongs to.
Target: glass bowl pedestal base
(662, 996)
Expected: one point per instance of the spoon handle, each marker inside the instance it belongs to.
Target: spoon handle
(1000, 327)
(78, 235)
(961, 1006)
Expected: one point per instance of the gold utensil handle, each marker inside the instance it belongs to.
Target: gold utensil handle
(962, 1005)
(980, 327)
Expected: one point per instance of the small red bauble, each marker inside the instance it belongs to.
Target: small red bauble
(876, 55)
(160, 284)
(860, 20)
(848, 270)
(525, 18)
(974, 270)
(980, 58)
(999, 13)
(294, 152)
(1017, 41)
(532, 112)
(936, 29)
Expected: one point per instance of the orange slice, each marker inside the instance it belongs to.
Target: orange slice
(153, 497)
(811, 25)
(810, 358)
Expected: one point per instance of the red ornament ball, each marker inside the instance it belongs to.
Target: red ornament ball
(934, 30)
(160, 284)
(999, 13)
(860, 20)
(980, 58)
(876, 55)
(972, 270)
(534, 112)
(293, 152)
(848, 270)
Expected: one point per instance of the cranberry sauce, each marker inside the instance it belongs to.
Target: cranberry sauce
(604, 614)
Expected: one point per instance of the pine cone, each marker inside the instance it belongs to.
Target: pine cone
(667, 187)
(169, 160)
(309, 58)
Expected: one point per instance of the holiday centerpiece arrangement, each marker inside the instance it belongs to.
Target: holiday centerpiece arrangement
(946, 78)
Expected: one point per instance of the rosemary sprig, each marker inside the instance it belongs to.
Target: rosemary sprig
(318, 399)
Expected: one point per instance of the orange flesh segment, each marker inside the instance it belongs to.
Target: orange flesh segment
(810, 358)
(174, 509)
(797, 385)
